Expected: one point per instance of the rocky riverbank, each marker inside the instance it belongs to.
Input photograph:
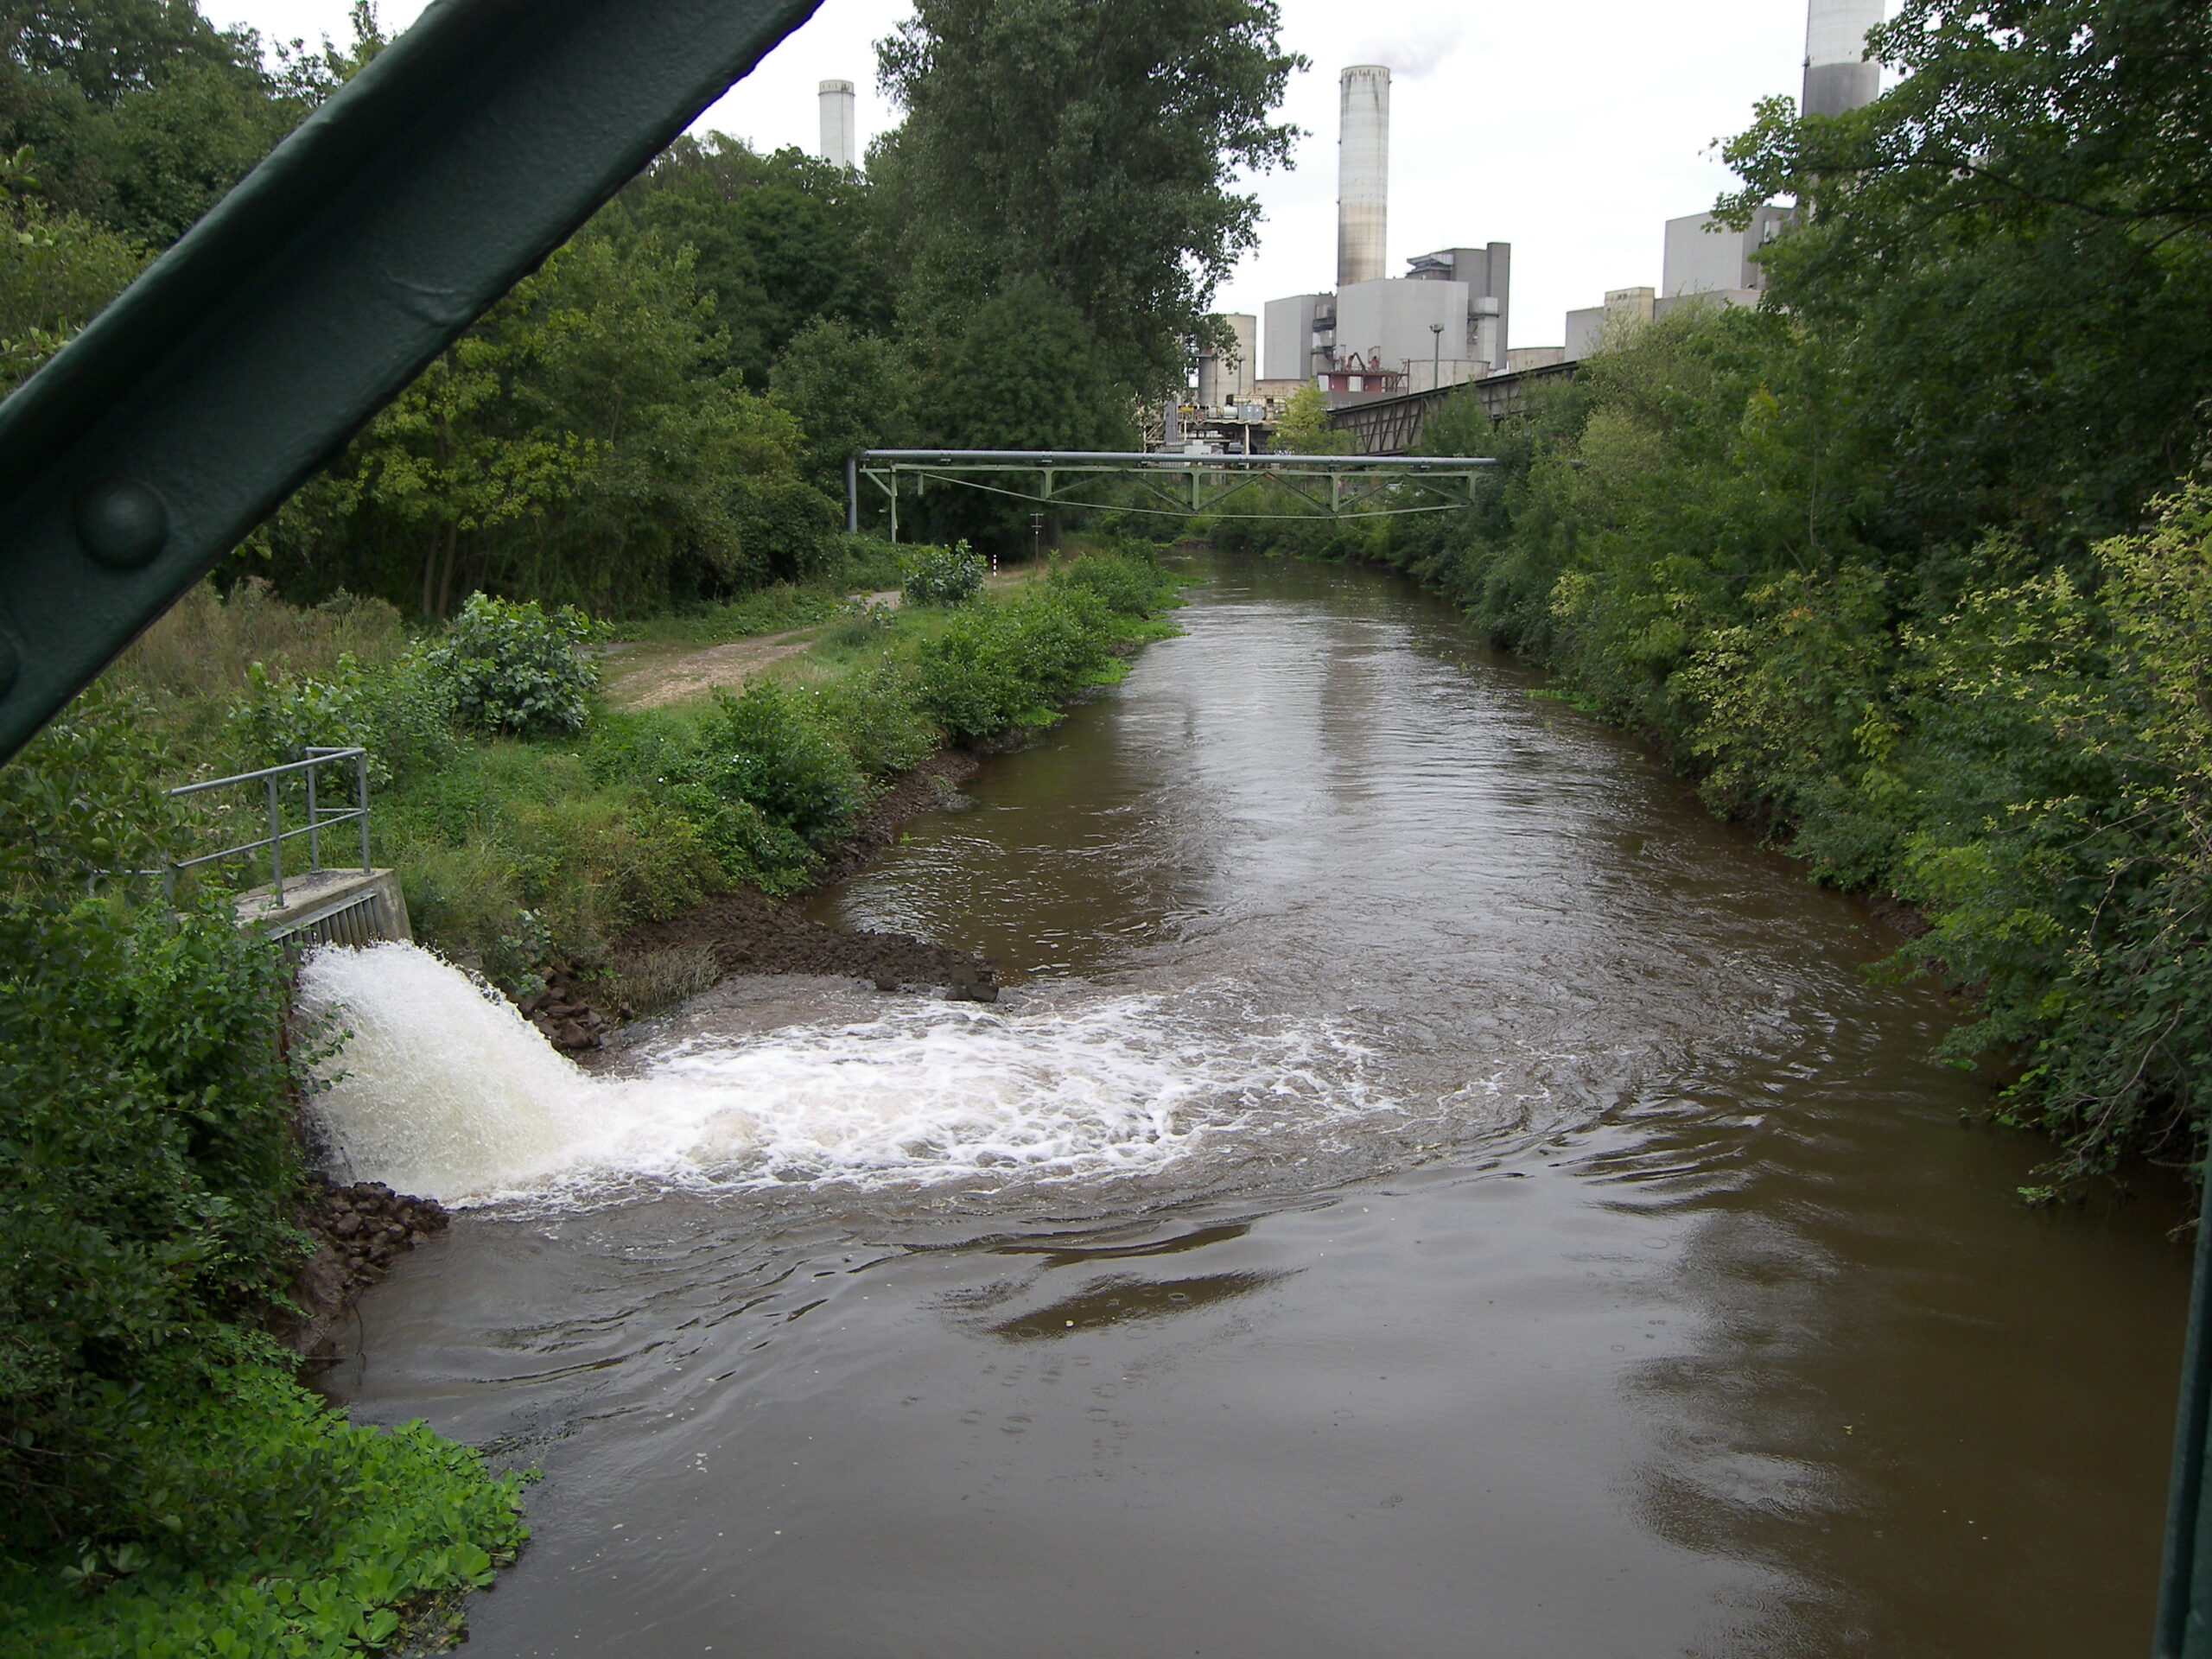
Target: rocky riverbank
(359, 1232)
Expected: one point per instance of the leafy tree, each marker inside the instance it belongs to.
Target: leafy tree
(57, 271)
(143, 114)
(2014, 245)
(1090, 149)
(441, 457)
(579, 445)
(850, 392)
(1026, 372)
(779, 241)
(1305, 428)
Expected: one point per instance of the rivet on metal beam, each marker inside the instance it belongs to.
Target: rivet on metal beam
(121, 522)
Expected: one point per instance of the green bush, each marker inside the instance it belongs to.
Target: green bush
(255, 1522)
(942, 576)
(1001, 667)
(147, 1162)
(765, 747)
(515, 668)
(403, 714)
(168, 1488)
(878, 716)
(1131, 583)
(869, 563)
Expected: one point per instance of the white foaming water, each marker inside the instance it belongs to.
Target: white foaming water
(444, 1091)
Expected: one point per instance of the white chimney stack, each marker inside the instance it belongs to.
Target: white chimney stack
(1364, 174)
(1838, 78)
(840, 140)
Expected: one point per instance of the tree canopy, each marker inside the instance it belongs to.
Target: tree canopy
(2016, 243)
(1091, 148)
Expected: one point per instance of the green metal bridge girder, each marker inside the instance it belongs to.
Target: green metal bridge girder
(375, 235)
(2184, 1629)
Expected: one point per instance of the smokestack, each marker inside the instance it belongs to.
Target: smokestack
(1837, 75)
(839, 140)
(1364, 174)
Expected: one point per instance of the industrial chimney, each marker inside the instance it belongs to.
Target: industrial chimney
(1364, 174)
(1837, 75)
(839, 140)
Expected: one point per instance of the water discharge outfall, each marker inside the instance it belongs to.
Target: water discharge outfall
(444, 1091)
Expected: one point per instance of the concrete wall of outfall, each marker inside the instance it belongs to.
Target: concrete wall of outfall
(330, 907)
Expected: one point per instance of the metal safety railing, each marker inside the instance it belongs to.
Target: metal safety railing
(319, 816)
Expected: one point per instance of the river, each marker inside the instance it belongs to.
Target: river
(1429, 1190)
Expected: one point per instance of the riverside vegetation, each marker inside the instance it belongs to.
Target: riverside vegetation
(1911, 567)
(651, 429)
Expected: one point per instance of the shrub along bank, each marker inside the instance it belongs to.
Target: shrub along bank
(528, 846)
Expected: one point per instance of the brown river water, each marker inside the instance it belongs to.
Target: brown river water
(1430, 1190)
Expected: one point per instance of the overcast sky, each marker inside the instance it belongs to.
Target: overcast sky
(1572, 129)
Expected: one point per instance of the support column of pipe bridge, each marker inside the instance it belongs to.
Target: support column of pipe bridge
(1179, 485)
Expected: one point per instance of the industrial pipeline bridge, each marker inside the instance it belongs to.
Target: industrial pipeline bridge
(1172, 485)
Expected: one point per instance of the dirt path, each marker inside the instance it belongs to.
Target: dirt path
(654, 675)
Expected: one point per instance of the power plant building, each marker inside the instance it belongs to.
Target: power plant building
(1363, 175)
(840, 125)
(1704, 262)
(1230, 380)
(1297, 327)
(1445, 321)
(1703, 255)
(1488, 274)
(1601, 325)
(1838, 77)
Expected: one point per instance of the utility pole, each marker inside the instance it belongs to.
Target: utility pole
(1435, 355)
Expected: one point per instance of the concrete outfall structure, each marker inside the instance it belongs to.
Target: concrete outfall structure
(1363, 176)
(840, 125)
(1838, 77)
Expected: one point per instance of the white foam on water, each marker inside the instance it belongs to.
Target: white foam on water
(444, 1091)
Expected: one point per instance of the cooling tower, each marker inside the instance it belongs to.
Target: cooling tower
(839, 140)
(1364, 174)
(1837, 75)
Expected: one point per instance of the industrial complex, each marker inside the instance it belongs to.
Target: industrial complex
(1704, 262)
(1446, 319)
